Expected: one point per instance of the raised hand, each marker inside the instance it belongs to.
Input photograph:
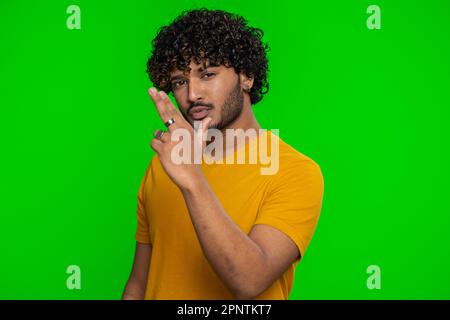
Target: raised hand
(184, 169)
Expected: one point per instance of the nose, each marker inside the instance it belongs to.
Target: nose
(195, 91)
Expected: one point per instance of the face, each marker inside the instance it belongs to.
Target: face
(208, 91)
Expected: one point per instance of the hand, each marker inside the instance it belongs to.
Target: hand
(185, 174)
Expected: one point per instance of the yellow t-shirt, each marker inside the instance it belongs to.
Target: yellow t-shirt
(289, 200)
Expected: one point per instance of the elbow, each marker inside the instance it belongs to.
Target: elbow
(250, 282)
(242, 295)
(248, 291)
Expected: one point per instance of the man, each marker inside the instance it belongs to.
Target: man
(218, 230)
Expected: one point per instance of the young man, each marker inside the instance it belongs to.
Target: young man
(218, 229)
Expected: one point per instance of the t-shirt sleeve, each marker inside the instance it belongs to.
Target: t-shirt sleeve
(142, 234)
(293, 203)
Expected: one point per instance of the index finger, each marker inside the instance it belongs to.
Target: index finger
(165, 108)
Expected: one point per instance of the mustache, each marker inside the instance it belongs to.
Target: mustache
(199, 104)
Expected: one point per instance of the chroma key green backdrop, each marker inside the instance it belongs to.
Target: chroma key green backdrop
(371, 107)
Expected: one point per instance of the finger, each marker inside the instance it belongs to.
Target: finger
(204, 127)
(205, 124)
(173, 113)
(156, 145)
(165, 107)
(160, 104)
(169, 107)
(163, 136)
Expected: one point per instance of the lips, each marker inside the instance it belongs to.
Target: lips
(198, 113)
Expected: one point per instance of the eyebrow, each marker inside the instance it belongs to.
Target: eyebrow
(178, 77)
(199, 69)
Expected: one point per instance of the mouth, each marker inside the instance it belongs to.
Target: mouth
(199, 113)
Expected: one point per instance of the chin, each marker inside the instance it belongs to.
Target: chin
(213, 125)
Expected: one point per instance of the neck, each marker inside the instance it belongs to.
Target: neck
(245, 121)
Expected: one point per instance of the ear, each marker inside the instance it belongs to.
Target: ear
(246, 82)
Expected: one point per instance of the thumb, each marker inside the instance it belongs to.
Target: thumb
(205, 125)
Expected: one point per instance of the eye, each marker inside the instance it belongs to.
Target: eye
(209, 75)
(178, 83)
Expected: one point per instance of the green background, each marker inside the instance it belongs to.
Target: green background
(371, 107)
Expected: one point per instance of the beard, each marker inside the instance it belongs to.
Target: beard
(230, 111)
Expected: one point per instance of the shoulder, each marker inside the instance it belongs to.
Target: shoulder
(296, 168)
(153, 170)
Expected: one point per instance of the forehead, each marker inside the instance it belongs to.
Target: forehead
(194, 68)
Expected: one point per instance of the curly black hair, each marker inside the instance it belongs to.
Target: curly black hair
(220, 37)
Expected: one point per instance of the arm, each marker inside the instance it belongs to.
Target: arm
(137, 282)
(248, 265)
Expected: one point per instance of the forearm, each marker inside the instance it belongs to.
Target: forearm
(133, 291)
(137, 281)
(235, 257)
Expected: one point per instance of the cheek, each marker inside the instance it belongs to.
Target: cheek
(216, 93)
